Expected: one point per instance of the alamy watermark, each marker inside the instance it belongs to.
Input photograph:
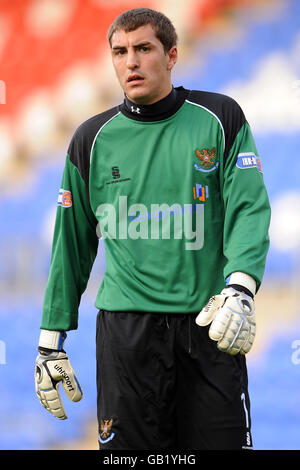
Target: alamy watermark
(2, 92)
(161, 221)
(2, 352)
(296, 353)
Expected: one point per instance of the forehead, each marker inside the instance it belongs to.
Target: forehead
(140, 35)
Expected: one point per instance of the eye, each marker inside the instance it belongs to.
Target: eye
(119, 52)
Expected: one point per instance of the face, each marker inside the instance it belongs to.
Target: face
(141, 64)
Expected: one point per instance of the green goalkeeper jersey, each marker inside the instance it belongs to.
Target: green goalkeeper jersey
(176, 191)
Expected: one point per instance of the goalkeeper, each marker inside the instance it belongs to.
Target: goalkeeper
(172, 180)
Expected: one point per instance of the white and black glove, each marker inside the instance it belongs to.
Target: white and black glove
(232, 316)
(52, 367)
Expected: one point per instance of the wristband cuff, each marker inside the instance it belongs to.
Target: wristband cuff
(50, 339)
(242, 279)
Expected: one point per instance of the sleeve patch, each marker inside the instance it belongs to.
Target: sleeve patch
(248, 160)
(64, 198)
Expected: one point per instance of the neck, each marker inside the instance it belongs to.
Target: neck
(146, 101)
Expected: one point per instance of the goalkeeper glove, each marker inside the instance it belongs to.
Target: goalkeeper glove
(53, 367)
(232, 318)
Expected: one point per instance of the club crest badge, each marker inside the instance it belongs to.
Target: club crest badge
(207, 160)
(106, 433)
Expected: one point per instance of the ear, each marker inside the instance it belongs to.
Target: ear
(172, 57)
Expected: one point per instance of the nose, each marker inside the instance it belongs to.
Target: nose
(132, 61)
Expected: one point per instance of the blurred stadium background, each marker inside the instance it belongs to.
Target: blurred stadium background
(55, 72)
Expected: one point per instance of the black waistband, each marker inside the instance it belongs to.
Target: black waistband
(157, 111)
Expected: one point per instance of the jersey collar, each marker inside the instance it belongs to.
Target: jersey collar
(157, 111)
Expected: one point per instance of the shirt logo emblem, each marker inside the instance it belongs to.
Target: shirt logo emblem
(135, 110)
(200, 192)
(207, 160)
(248, 160)
(115, 172)
(64, 198)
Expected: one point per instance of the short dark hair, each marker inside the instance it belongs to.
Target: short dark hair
(130, 20)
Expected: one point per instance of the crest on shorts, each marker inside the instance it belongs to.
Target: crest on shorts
(207, 160)
(106, 433)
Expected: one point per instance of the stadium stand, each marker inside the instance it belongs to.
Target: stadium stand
(56, 73)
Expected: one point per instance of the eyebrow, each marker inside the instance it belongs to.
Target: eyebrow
(140, 44)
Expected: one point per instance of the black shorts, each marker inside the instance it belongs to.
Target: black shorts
(163, 384)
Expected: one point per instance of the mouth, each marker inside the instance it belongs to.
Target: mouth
(135, 78)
